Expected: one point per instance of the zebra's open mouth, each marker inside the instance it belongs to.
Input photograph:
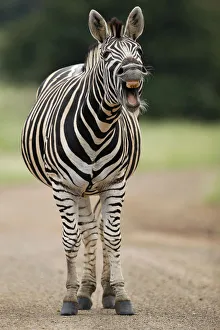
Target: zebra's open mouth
(131, 94)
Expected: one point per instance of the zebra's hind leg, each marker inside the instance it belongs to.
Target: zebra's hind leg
(68, 207)
(112, 200)
(89, 232)
(108, 297)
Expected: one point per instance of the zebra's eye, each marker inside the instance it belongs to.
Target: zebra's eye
(105, 54)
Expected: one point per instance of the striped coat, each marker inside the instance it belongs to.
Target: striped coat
(82, 138)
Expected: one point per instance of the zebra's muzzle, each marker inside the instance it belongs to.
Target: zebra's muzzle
(131, 76)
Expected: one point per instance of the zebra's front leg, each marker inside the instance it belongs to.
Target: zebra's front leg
(89, 233)
(112, 200)
(68, 206)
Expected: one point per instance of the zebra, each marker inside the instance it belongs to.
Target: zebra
(82, 138)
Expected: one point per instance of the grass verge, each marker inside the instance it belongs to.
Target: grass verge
(213, 198)
(179, 145)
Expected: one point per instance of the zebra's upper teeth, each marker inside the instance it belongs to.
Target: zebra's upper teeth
(132, 84)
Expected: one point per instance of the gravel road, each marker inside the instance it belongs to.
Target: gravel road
(170, 258)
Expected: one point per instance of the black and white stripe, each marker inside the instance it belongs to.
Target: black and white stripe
(82, 138)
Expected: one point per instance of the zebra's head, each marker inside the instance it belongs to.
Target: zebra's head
(120, 58)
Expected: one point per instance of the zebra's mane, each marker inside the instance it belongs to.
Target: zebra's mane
(92, 56)
(116, 27)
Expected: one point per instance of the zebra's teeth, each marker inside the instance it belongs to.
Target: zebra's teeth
(133, 84)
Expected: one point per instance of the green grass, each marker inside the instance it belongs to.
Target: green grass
(178, 145)
(15, 104)
(13, 170)
(213, 198)
(165, 145)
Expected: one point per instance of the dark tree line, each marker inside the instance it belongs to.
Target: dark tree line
(181, 45)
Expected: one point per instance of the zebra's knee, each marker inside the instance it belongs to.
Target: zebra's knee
(112, 235)
(71, 244)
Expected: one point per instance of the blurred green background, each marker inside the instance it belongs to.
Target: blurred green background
(181, 46)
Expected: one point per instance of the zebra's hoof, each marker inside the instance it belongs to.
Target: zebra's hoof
(124, 308)
(108, 302)
(84, 303)
(69, 308)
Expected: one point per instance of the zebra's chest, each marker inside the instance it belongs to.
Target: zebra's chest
(104, 170)
(78, 166)
(86, 162)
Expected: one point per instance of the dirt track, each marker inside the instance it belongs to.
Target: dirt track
(170, 258)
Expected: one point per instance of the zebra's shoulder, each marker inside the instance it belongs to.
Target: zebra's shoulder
(59, 74)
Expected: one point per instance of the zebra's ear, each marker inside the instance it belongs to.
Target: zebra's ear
(98, 26)
(135, 24)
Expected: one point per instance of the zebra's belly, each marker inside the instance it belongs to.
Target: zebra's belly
(102, 182)
(96, 182)
(85, 182)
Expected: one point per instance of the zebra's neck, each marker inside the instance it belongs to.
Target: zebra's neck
(103, 111)
(93, 57)
(104, 108)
